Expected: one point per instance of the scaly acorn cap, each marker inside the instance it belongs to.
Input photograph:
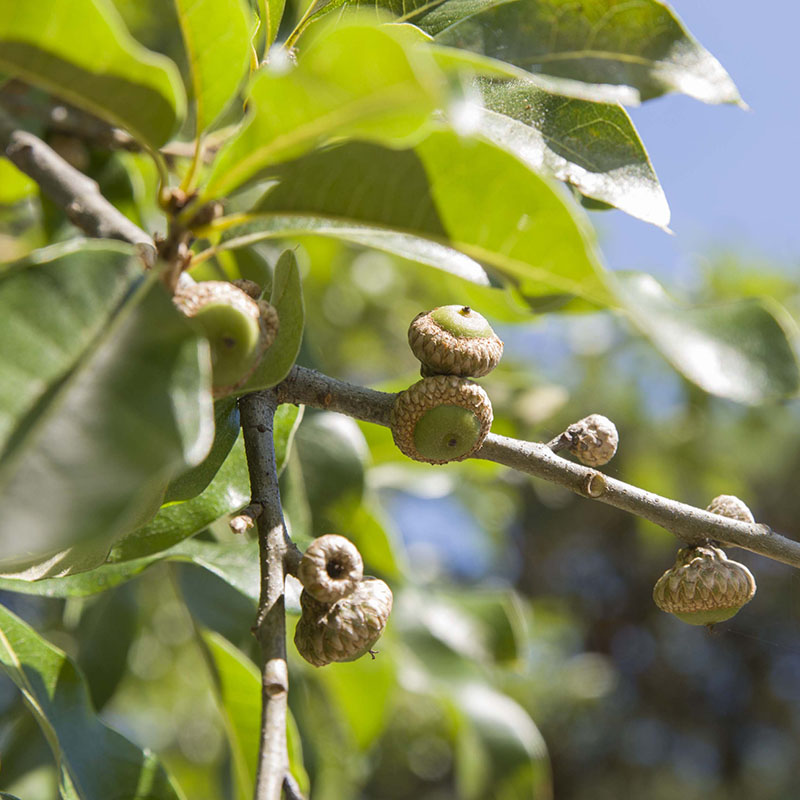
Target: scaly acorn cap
(728, 505)
(703, 586)
(454, 340)
(593, 440)
(331, 568)
(239, 329)
(442, 418)
(344, 630)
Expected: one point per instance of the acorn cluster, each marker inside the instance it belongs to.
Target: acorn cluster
(239, 326)
(344, 612)
(445, 417)
(704, 586)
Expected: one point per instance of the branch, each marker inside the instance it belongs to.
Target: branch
(257, 416)
(690, 524)
(70, 189)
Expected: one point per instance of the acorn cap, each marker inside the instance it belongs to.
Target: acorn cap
(250, 288)
(239, 329)
(704, 586)
(454, 340)
(728, 505)
(593, 440)
(442, 418)
(344, 630)
(331, 568)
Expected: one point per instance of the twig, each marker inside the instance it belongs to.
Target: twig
(690, 524)
(70, 189)
(246, 518)
(257, 416)
(290, 788)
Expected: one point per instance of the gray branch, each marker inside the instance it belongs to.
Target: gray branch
(257, 417)
(70, 189)
(690, 524)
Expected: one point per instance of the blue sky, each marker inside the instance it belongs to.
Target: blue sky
(730, 175)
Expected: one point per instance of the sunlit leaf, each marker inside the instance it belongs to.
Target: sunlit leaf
(464, 194)
(105, 396)
(217, 38)
(84, 54)
(591, 146)
(639, 44)
(328, 95)
(739, 350)
(94, 761)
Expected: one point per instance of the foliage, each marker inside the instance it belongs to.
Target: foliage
(379, 159)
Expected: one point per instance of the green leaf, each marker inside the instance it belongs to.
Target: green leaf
(108, 625)
(271, 13)
(228, 492)
(361, 692)
(84, 54)
(217, 38)
(471, 63)
(287, 298)
(94, 761)
(630, 43)
(238, 687)
(464, 194)
(226, 431)
(591, 146)
(397, 243)
(235, 562)
(105, 395)
(14, 185)
(333, 455)
(330, 95)
(507, 735)
(739, 350)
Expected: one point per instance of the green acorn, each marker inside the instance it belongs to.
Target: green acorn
(239, 329)
(442, 418)
(728, 505)
(344, 630)
(454, 340)
(331, 568)
(704, 587)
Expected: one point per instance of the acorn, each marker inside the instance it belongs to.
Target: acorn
(454, 340)
(344, 630)
(239, 329)
(592, 440)
(331, 568)
(728, 505)
(250, 288)
(704, 587)
(441, 418)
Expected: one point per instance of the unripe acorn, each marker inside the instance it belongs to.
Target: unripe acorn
(331, 568)
(454, 340)
(344, 630)
(704, 587)
(728, 505)
(239, 329)
(593, 440)
(442, 418)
